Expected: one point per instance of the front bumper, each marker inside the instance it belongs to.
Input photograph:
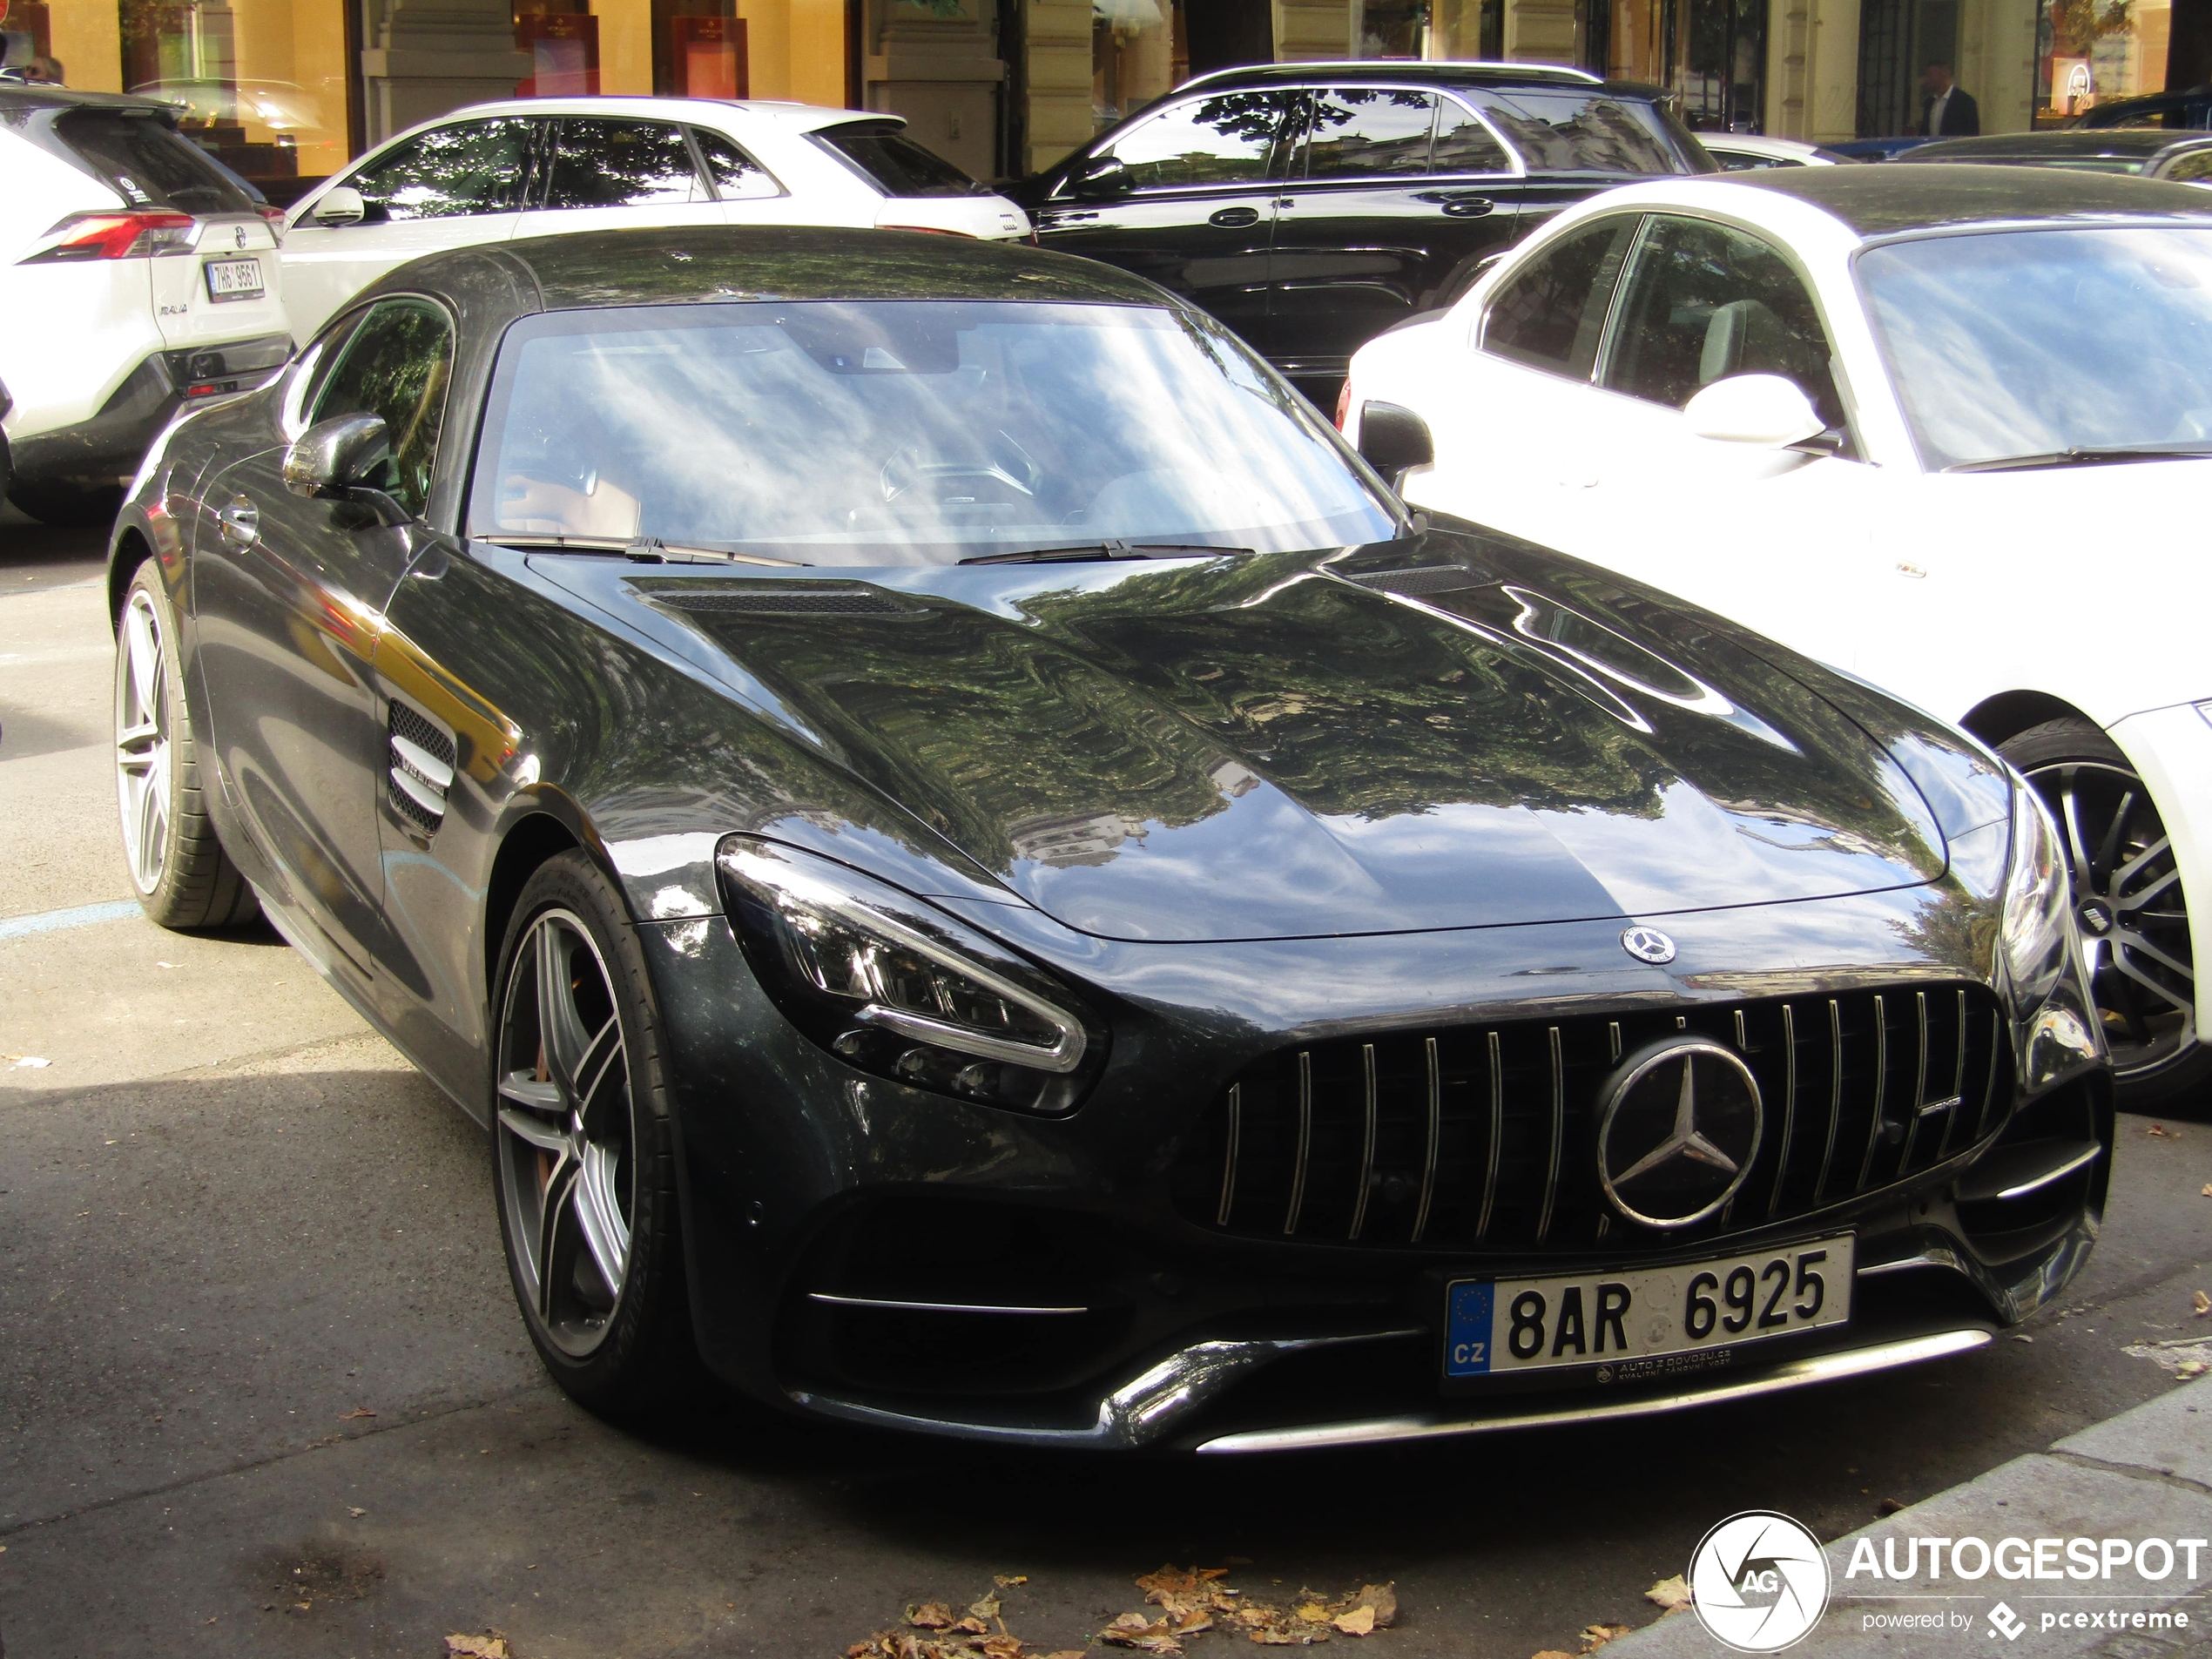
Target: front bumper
(104, 452)
(866, 1252)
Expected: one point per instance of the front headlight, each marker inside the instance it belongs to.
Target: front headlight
(897, 988)
(2039, 905)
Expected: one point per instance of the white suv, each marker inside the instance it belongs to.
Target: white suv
(543, 166)
(136, 276)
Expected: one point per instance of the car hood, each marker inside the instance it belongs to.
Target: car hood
(1466, 734)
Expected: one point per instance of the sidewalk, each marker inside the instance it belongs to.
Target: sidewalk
(2146, 1473)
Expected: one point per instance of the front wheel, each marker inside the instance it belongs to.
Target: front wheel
(582, 1146)
(183, 878)
(2135, 917)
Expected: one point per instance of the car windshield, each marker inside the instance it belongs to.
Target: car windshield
(906, 432)
(2031, 343)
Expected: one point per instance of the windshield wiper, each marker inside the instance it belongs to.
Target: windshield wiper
(2114, 456)
(1111, 548)
(646, 549)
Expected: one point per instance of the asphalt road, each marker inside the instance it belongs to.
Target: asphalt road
(263, 1390)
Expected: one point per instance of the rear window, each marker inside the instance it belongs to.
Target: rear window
(894, 164)
(146, 160)
(1573, 131)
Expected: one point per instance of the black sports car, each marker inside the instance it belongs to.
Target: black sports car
(983, 874)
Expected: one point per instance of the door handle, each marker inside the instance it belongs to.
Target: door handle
(241, 522)
(1460, 204)
(1231, 219)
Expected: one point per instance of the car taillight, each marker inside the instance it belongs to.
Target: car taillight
(118, 236)
(1344, 402)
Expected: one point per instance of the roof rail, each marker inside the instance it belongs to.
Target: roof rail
(1541, 71)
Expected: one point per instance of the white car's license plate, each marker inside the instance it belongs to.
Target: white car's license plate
(1622, 1319)
(234, 280)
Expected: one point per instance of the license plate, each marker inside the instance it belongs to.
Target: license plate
(1621, 1319)
(234, 280)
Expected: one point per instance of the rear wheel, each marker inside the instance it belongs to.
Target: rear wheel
(582, 1149)
(2133, 915)
(183, 878)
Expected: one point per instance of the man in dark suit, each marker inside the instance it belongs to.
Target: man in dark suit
(1947, 110)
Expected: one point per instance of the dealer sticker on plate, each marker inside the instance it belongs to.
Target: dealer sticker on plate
(1648, 1313)
(234, 280)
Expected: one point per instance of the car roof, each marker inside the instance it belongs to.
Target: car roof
(1390, 71)
(1889, 198)
(803, 118)
(592, 270)
(2085, 142)
(29, 97)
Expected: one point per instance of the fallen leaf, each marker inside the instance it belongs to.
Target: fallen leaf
(1596, 1635)
(1135, 1631)
(355, 1513)
(1064, 1653)
(1002, 1647)
(303, 1607)
(1008, 1580)
(971, 1626)
(2191, 1368)
(929, 1615)
(1551, 1653)
(1381, 1597)
(985, 1608)
(1197, 1619)
(2162, 1132)
(1889, 1506)
(1313, 1613)
(490, 1645)
(2208, 1190)
(358, 1411)
(1360, 1622)
(1670, 1594)
(2022, 1336)
(2203, 1305)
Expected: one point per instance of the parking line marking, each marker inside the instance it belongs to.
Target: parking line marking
(54, 920)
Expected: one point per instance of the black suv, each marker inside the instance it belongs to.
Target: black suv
(1312, 205)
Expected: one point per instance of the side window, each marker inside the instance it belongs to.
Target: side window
(737, 175)
(397, 365)
(1552, 313)
(2191, 167)
(1580, 131)
(1464, 144)
(599, 163)
(1226, 139)
(1365, 132)
(1701, 303)
(469, 167)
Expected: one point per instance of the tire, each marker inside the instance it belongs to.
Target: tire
(582, 1119)
(184, 879)
(2135, 916)
(65, 507)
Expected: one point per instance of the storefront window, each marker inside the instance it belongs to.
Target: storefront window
(561, 38)
(2092, 51)
(1711, 53)
(1137, 52)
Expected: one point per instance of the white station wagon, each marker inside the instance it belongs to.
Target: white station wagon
(544, 166)
(1890, 417)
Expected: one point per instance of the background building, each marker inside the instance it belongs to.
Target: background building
(285, 91)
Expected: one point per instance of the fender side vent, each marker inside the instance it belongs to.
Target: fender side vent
(422, 768)
(1427, 578)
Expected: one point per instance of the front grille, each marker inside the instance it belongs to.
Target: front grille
(1483, 1137)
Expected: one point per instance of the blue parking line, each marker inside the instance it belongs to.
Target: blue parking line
(54, 920)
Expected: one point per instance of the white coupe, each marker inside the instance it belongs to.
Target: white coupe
(1948, 427)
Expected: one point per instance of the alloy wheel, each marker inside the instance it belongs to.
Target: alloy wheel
(144, 775)
(2134, 923)
(567, 1136)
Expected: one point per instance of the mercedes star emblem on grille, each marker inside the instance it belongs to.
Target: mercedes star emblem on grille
(1678, 1125)
(1648, 944)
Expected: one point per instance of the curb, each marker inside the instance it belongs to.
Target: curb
(2146, 1473)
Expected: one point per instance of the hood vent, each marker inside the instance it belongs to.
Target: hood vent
(1427, 578)
(422, 769)
(782, 599)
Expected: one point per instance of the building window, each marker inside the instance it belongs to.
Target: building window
(1138, 50)
(561, 38)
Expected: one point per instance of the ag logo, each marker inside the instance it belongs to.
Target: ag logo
(1648, 944)
(1758, 1581)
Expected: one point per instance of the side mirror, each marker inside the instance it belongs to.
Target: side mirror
(346, 458)
(343, 206)
(1759, 411)
(1100, 176)
(1393, 440)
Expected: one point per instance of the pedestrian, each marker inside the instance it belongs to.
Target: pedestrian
(1947, 110)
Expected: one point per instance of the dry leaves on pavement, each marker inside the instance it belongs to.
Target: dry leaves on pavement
(934, 1631)
(1670, 1594)
(490, 1645)
(1197, 1599)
